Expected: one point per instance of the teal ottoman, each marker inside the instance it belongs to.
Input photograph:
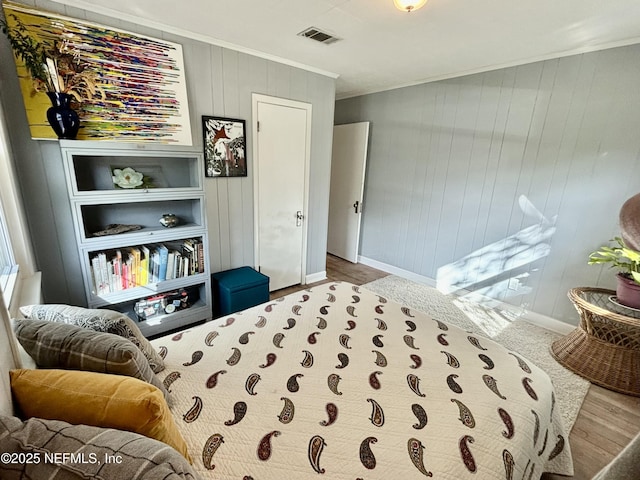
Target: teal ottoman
(238, 289)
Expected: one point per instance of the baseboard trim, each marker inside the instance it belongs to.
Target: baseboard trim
(385, 267)
(549, 323)
(537, 319)
(315, 277)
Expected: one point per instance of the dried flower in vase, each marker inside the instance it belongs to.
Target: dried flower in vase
(54, 66)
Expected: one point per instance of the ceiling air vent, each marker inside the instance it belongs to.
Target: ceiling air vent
(318, 35)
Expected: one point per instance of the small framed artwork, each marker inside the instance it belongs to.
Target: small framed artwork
(224, 147)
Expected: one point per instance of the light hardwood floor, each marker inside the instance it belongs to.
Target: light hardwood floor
(606, 422)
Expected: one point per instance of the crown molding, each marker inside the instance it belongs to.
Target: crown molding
(191, 35)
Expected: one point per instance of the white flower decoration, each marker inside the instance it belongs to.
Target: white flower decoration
(127, 177)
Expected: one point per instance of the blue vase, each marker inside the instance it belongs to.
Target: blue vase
(64, 121)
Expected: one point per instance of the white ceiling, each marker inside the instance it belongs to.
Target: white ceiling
(383, 48)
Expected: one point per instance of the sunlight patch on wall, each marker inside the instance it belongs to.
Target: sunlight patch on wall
(495, 271)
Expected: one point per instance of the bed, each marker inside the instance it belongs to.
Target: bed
(341, 382)
(338, 382)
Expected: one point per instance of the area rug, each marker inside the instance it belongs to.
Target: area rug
(502, 326)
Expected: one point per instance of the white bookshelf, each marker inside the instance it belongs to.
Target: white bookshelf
(174, 184)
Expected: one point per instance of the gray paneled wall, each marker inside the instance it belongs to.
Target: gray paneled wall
(543, 155)
(219, 82)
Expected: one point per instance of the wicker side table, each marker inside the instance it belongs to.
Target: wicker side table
(605, 347)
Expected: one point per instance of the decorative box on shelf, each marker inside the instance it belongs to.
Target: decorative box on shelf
(168, 302)
(121, 196)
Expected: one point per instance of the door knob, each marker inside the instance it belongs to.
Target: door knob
(299, 218)
(357, 207)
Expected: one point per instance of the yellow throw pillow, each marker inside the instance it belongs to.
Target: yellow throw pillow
(98, 399)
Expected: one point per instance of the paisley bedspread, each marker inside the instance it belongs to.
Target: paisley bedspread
(338, 382)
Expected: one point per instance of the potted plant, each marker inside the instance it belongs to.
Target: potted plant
(56, 70)
(627, 261)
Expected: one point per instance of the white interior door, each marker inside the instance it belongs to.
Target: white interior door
(282, 150)
(348, 165)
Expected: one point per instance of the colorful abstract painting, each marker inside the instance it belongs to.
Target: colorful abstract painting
(142, 93)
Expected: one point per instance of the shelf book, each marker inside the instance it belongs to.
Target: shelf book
(138, 266)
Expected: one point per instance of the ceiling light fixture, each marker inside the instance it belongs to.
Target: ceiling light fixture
(409, 5)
